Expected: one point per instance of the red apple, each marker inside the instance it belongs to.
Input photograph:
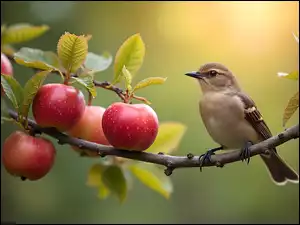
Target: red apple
(58, 105)
(6, 68)
(89, 128)
(130, 127)
(27, 156)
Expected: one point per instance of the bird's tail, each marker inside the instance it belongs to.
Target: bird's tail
(279, 170)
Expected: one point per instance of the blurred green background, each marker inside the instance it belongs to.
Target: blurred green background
(254, 39)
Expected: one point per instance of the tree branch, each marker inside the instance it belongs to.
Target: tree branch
(171, 162)
(106, 85)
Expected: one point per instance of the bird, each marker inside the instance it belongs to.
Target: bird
(233, 120)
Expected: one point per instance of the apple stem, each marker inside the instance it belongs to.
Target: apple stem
(127, 97)
(67, 78)
(31, 132)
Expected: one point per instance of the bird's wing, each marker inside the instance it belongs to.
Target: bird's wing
(254, 117)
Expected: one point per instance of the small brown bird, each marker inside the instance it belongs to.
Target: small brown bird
(233, 120)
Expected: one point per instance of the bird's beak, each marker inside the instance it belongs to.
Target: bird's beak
(195, 74)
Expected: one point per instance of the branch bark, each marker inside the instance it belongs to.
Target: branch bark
(171, 162)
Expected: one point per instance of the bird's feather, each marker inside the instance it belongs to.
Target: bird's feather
(254, 117)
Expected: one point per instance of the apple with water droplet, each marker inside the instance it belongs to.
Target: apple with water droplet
(26, 156)
(58, 105)
(89, 128)
(130, 126)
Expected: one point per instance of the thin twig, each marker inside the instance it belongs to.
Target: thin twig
(106, 85)
(171, 162)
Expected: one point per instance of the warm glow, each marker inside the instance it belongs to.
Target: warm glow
(253, 21)
(182, 21)
(232, 22)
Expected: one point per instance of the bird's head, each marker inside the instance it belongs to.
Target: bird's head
(214, 77)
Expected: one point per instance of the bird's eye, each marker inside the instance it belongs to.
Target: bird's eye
(213, 73)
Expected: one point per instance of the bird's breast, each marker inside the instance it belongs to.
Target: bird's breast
(224, 119)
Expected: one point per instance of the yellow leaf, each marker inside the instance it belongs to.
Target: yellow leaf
(168, 137)
(128, 78)
(22, 32)
(103, 191)
(8, 50)
(72, 51)
(291, 108)
(149, 81)
(153, 177)
(130, 54)
(94, 175)
(3, 28)
(95, 180)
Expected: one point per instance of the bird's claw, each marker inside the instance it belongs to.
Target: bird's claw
(245, 152)
(207, 156)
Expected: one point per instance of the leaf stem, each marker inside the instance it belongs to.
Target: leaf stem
(141, 99)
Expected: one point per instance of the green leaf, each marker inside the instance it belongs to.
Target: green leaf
(153, 177)
(131, 54)
(22, 32)
(95, 180)
(86, 81)
(114, 179)
(72, 51)
(6, 119)
(13, 90)
(36, 58)
(3, 107)
(128, 78)
(293, 75)
(98, 63)
(168, 137)
(31, 88)
(291, 108)
(149, 81)
(4, 111)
